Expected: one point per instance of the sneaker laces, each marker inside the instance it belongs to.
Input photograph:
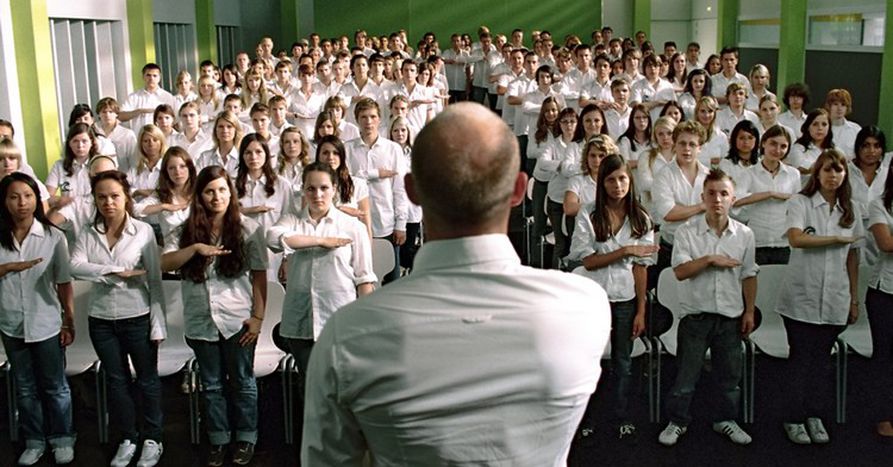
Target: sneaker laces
(627, 429)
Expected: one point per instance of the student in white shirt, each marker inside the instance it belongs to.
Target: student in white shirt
(815, 137)
(69, 175)
(337, 106)
(306, 101)
(839, 105)
(294, 155)
(253, 90)
(545, 130)
(229, 81)
(563, 149)
(614, 238)
(532, 102)
(82, 113)
(140, 104)
(170, 203)
(278, 112)
(636, 140)
(581, 188)
(222, 258)
(678, 72)
(227, 136)
(795, 98)
(77, 214)
(868, 173)
(233, 103)
(209, 102)
(744, 152)
(878, 303)
(734, 112)
(716, 145)
(143, 177)
(659, 154)
(772, 182)
(818, 296)
(759, 87)
(122, 137)
(591, 122)
(164, 118)
(578, 78)
(263, 196)
(713, 259)
(260, 123)
(193, 138)
(651, 90)
(728, 75)
(768, 113)
(598, 90)
(713, 65)
(185, 89)
(127, 316)
(697, 85)
(37, 322)
(401, 134)
(284, 84)
(330, 262)
(692, 56)
(617, 117)
(353, 192)
(11, 161)
(456, 60)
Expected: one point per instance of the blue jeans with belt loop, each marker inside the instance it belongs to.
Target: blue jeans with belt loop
(42, 392)
(115, 341)
(622, 315)
(226, 361)
(697, 333)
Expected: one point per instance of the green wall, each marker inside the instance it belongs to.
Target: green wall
(335, 17)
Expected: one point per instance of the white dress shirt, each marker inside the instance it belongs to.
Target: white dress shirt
(617, 122)
(201, 143)
(714, 290)
(213, 157)
(882, 272)
(387, 196)
(792, 121)
(220, 305)
(307, 107)
(719, 83)
(455, 72)
(670, 188)
(519, 87)
(817, 286)
(114, 298)
(584, 187)
(320, 280)
(143, 99)
(845, 137)
(472, 359)
(530, 109)
(30, 308)
(627, 151)
(616, 278)
(145, 178)
(716, 146)
(255, 195)
(803, 158)
(564, 154)
(645, 174)
(726, 119)
(167, 220)
(124, 141)
(74, 185)
(764, 217)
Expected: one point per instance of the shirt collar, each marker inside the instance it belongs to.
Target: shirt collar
(464, 251)
(703, 227)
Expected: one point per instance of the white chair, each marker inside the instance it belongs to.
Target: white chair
(81, 357)
(173, 354)
(382, 257)
(857, 336)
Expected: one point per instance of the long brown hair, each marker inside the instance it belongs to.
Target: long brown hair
(344, 181)
(98, 218)
(844, 193)
(74, 130)
(639, 221)
(543, 128)
(304, 159)
(165, 184)
(242, 177)
(197, 229)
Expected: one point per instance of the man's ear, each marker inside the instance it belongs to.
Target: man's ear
(520, 189)
(409, 184)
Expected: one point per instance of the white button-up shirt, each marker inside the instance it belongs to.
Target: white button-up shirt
(74, 185)
(112, 297)
(124, 141)
(168, 220)
(213, 157)
(471, 359)
(30, 308)
(764, 217)
(719, 83)
(616, 278)
(568, 157)
(714, 290)
(308, 106)
(255, 195)
(670, 188)
(320, 280)
(817, 288)
(143, 99)
(882, 273)
(617, 122)
(222, 304)
(726, 119)
(201, 143)
(584, 187)
(145, 178)
(387, 196)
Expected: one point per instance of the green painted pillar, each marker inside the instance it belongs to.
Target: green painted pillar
(597, 7)
(792, 43)
(37, 83)
(727, 23)
(290, 24)
(142, 37)
(206, 30)
(641, 17)
(885, 108)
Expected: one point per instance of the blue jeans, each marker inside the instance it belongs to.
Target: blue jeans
(697, 333)
(300, 349)
(622, 314)
(42, 392)
(115, 341)
(772, 255)
(222, 361)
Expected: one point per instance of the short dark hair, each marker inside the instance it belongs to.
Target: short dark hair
(151, 66)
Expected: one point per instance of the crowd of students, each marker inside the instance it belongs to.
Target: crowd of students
(285, 167)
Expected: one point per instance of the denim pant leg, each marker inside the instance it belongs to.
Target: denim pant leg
(43, 396)
(622, 314)
(880, 314)
(726, 353)
(239, 367)
(134, 335)
(539, 221)
(693, 339)
(300, 349)
(810, 348)
(209, 355)
(555, 212)
(107, 342)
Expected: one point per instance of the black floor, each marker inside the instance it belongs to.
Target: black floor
(852, 444)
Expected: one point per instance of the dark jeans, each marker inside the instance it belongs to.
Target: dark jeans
(115, 341)
(479, 95)
(522, 147)
(622, 314)
(539, 221)
(458, 96)
(300, 349)
(492, 98)
(880, 316)
(225, 361)
(395, 273)
(697, 333)
(810, 348)
(562, 242)
(42, 393)
(409, 249)
(772, 255)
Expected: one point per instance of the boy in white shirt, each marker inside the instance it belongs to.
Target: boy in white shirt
(617, 117)
(713, 259)
(728, 75)
(140, 105)
(598, 91)
(728, 117)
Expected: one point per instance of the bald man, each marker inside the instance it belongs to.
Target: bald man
(473, 359)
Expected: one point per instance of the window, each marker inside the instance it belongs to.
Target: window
(759, 31)
(175, 50)
(227, 38)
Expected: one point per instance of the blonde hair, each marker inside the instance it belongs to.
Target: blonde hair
(602, 143)
(214, 98)
(156, 133)
(303, 158)
(228, 117)
(181, 76)
(262, 95)
(666, 122)
(9, 148)
(713, 105)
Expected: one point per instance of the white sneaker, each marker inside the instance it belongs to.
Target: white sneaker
(731, 429)
(797, 433)
(150, 454)
(64, 454)
(671, 434)
(816, 430)
(30, 456)
(125, 453)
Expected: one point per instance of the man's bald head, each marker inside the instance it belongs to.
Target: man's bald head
(465, 165)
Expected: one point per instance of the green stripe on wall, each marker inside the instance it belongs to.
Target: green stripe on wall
(885, 109)
(206, 30)
(792, 43)
(642, 17)
(37, 83)
(727, 23)
(142, 37)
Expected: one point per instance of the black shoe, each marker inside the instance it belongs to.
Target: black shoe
(244, 453)
(626, 431)
(217, 455)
